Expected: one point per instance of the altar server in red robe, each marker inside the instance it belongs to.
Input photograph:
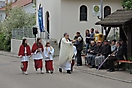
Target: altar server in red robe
(24, 52)
(37, 50)
(48, 55)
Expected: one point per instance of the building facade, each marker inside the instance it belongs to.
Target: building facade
(70, 16)
(27, 5)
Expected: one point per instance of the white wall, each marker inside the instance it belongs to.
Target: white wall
(53, 7)
(15, 44)
(64, 15)
(29, 8)
(70, 15)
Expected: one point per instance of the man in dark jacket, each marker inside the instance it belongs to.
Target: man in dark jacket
(105, 50)
(117, 56)
(124, 46)
(79, 47)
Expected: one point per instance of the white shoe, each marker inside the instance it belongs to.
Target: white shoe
(26, 73)
(37, 72)
(42, 72)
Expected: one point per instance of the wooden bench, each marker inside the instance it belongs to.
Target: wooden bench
(126, 62)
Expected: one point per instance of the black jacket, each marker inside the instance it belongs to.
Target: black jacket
(87, 40)
(97, 50)
(106, 50)
(124, 47)
(79, 43)
(119, 53)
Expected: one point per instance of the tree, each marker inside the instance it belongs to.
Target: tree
(127, 4)
(17, 18)
(8, 7)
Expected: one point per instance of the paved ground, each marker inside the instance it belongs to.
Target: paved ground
(11, 77)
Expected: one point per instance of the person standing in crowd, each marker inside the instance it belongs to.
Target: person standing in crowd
(91, 56)
(37, 50)
(87, 40)
(79, 47)
(24, 52)
(96, 31)
(48, 55)
(113, 45)
(117, 55)
(92, 34)
(66, 54)
(124, 46)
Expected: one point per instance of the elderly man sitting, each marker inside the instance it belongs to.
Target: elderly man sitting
(91, 56)
(104, 51)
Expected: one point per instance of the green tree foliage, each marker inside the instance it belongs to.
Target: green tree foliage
(127, 4)
(17, 18)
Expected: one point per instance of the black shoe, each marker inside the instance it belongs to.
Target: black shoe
(91, 66)
(112, 70)
(51, 72)
(96, 67)
(108, 69)
(60, 70)
(47, 71)
(69, 71)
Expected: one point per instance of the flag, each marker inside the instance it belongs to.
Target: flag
(40, 19)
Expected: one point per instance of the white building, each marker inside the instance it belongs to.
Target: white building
(70, 16)
(27, 5)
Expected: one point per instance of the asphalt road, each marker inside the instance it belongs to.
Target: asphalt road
(11, 77)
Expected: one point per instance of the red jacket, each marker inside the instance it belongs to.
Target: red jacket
(22, 50)
(35, 47)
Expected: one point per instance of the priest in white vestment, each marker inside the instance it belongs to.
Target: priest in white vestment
(66, 54)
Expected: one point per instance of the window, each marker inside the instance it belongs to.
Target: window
(107, 11)
(83, 13)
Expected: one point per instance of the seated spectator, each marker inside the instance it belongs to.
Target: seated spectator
(124, 46)
(105, 50)
(113, 46)
(117, 55)
(97, 52)
(91, 56)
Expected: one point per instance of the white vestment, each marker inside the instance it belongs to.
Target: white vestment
(48, 56)
(66, 54)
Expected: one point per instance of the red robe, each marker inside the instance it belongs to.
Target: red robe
(37, 63)
(35, 47)
(49, 65)
(21, 50)
(24, 64)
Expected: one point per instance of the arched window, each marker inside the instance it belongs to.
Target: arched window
(107, 11)
(83, 13)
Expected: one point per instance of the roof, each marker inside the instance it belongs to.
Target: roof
(118, 18)
(19, 3)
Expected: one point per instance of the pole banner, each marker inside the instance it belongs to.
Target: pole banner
(40, 19)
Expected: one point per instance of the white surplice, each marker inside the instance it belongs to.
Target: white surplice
(46, 53)
(66, 54)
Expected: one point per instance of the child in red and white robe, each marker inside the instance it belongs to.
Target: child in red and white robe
(37, 50)
(48, 55)
(24, 52)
